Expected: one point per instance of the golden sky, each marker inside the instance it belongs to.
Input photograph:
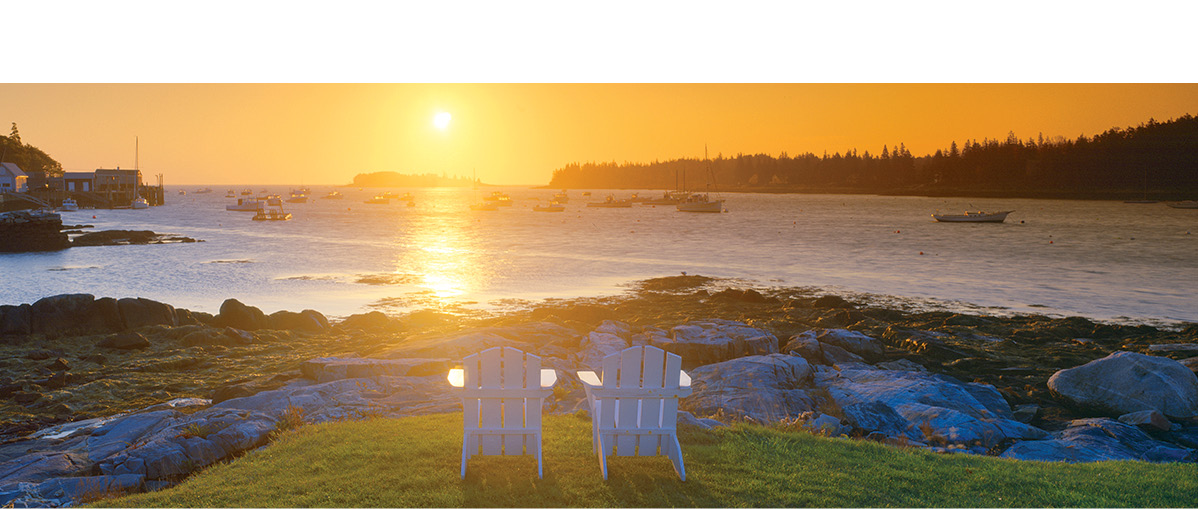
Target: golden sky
(316, 134)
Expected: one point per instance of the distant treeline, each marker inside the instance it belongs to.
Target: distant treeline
(1161, 156)
(35, 163)
(393, 179)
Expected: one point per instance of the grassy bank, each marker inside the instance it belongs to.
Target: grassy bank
(414, 462)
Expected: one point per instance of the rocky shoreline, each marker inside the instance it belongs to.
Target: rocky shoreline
(26, 231)
(132, 394)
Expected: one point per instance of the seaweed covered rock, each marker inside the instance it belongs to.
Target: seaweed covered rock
(240, 316)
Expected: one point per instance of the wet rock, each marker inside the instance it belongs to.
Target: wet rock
(1127, 382)
(1025, 413)
(712, 341)
(838, 318)
(233, 391)
(59, 364)
(141, 312)
(240, 316)
(186, 317)
(1174, 347)
(206, 337)
(1147, 420)
(805, 346)
(1191, 363)
(835, 355)
(852, 341)
(832, 301)
(327, 369)
(124, 341)
(1099, 439)
(736, 295)
(928, 344)
(307, 321)
(74, 314)
(14, 320)
(38, 466)
(7, 390)
(766, 388)
(937, 409)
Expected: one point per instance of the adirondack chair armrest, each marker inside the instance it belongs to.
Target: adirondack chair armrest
(457, 377)
(548, 377)
(684, 380)
(589, 378)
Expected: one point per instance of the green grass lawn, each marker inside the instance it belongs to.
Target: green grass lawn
(415, 462)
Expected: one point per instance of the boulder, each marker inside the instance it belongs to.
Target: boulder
(1099, 439)
(237, 315)
(595, 347)
(124, 341)
(835, 355)
(74, 314)
(1126, 382)
(308, 321)
(1147, 420)
(852, 341)
(712, 341)
(140, 312)
(805, 346)
(38, 466)
(14, 320)
(327, 369)
(368, 321)
(186, 317)
(936, 408)
(766, 388)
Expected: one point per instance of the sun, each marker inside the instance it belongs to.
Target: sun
(441, 120)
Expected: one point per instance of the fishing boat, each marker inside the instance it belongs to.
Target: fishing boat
(611, 203)
(973, 217)
(561, 197)
(247, 192)
(1188, 204)
(182, 192)
(666, 198)
(298, 197)
(273, 211)
(205, 190)
(140, 203)
(379, 200)
(586, 193)
(246, 205)
(69, 205)
(230, 194)
(552, 207)
(701, 202)
(333, 195)
(499, 198)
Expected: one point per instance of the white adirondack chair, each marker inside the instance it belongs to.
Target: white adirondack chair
(502, 390)
(634, 406)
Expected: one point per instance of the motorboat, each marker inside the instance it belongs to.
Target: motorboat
(298, 197)
(499, 198)
(612, 203)
(379, 200)
(273, 211)
(205, 190)
(666, 198)
(700, 202)
(973, 217)
(552, 207)
(246, 205)
(230, 194)
(1188, 204)
(182, 192)
(407, 197)
(561, 197)
(333, 195)
(247, 192)
(140, 203)
(586, 193)
(69, 205)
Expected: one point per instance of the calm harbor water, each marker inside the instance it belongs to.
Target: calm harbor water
(1099, 259)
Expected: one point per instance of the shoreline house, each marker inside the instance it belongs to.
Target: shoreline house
(79, 181)
(12, 179)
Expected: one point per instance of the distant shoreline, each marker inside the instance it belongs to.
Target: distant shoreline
(1112, 195)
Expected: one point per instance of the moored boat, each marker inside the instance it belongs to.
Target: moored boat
(611, 203)
(552, 207)
(973, 217)
(273, 211)
(333, 195)
(140, 203)
(69, 205)
(700, 202)
(246, 205)
(378, 200)
(561, 197)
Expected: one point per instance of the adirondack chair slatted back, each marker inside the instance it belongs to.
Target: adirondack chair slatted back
(639, 368)
(516, 407)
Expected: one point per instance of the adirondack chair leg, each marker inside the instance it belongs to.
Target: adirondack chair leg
(540, 467)
(602, 458)
(676, 457)
(465, 456)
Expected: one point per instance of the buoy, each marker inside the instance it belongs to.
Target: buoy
(93, 217)
(898, 231)
(921, 253)
(1050, 242)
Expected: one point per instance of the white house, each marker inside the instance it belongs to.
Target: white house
(12, 179)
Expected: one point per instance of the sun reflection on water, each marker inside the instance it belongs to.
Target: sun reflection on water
(441, 247)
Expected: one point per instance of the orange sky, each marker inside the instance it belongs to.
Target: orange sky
(517, 134)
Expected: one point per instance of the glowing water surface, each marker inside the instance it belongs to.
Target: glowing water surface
(1101, 259)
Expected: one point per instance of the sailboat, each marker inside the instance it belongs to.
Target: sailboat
(483, 205)
(139, 202)
(702, 202)
(1145, 200)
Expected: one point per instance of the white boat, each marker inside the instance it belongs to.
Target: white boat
(973, 217)
(273, 211)
(500, 199)
(700, 202)
(230, 194)
(299, 196)
(205, 190)
(69, 205)
(140, 203)
(1188, 204)
(552, 207)
(611, 203)
(379, 200)
(666, 198)
(333, 195)
(246, 205)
